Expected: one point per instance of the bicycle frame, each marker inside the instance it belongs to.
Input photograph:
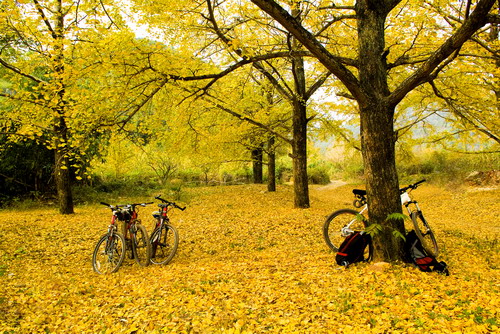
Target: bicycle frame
(111, 230)
(162, 216)
(346, 230)
(166, 206)
(360, 202)
(406, 200)
(130, 222)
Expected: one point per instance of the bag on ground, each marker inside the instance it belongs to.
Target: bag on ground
(353, 248)
(416, 254)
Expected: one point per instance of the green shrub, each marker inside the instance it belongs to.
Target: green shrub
(319, 173)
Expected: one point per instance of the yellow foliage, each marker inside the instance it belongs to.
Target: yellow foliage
(249, 263)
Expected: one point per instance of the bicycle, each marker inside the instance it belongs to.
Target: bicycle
(164, 239)
(110, 250)
(344, 222)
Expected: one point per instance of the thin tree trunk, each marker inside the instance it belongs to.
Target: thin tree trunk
(61, 169)
(271, 165)
(299, 143)
(257, 164)
(299, 156)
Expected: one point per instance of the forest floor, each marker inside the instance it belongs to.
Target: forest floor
(248, 262)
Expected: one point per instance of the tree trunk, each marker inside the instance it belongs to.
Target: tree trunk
(377, 133)
(299, 157)
(378, 147)
(271, 165)
(257, 165)
(299, 141)
(61, 169)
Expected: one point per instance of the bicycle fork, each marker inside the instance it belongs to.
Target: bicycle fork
(417, 213)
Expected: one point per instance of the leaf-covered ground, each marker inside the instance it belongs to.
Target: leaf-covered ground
(248, 262)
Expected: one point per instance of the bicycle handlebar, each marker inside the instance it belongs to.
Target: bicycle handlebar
(412, 186)
(361, 193)
(112, 207)
(170, 203)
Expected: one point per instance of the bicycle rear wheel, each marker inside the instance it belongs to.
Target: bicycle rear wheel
(141, 246)
(164, 243)
(424, 233)
(340, 224)
(109, 253)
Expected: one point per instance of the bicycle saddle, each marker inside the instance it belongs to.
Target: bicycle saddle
(359, 192)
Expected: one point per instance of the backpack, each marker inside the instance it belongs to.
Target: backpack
(352, 248)
(416, 254)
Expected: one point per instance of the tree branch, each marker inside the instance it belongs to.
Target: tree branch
(462, 116)
(18, 71)
(332, 63)
(475, 21)
(45, 19)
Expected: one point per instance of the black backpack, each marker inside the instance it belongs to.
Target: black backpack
(352, 248)
(416, 254)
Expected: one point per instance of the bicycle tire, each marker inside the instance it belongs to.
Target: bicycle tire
(425, 233)
(332, 228)
(141, 247)
(164, 243)
(108, 256)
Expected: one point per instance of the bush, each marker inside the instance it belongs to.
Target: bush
(25, 171)
(319, 174)
(447, 166)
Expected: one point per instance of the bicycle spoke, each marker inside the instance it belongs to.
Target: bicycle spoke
(108, 254)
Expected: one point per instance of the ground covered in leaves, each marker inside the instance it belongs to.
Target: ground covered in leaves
(250, 263)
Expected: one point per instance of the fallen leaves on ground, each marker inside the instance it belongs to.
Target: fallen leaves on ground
(249, 263)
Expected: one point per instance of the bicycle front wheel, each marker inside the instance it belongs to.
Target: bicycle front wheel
(141, 246)
(424, 233)
(340, 224)
(164, 243)
(109, 253)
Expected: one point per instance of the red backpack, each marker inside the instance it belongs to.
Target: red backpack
(416, 254)
(353, 248)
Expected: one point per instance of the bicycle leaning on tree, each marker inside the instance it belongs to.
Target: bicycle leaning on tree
(111, 248)
(164, 239)
(344, 222)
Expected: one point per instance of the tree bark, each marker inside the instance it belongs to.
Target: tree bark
(377, 132)
(299, 141)
(271, 165)
(257, 155)
(61, 169)
(299, 156)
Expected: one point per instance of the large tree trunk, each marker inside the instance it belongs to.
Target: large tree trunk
(377, 133)
(378, 146)
(271, 165)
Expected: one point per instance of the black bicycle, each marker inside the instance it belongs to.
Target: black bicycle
(344, 222)
(164, 239)
(110, 250)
